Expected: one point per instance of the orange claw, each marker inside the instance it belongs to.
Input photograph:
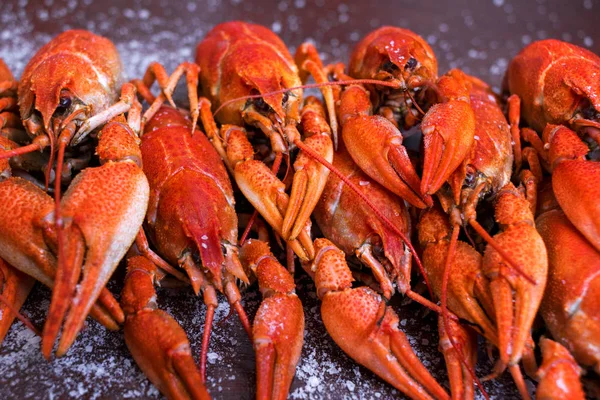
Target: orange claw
(28, 242)
(95, 242)
(448, 131)
(310, 176)
(516, 301)
(375, 145)
(157, 342)
(461, 380)
(559, 374)
(571, 303)
(278, 328)
(359, 321)
(14, 288)
(574, 180)
(468, 289)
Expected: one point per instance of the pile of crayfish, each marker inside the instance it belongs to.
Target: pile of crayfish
(495, 206)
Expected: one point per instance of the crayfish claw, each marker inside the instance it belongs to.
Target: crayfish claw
(94, 243)
(359, 321)
(516, 299)
(448, 134)
(375, 145)
(278, 329)
(310, 176)
(156, 341)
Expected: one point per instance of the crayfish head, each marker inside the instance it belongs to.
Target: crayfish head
(273, 109)
(55, 93)
(396, 54)
(269, 80)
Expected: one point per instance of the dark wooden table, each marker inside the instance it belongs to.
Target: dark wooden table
(479, 37)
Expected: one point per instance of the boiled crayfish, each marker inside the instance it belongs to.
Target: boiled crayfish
(61, 243)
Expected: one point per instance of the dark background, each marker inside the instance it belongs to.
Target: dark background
(477, 36)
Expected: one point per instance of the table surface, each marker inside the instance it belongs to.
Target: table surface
(478, 36)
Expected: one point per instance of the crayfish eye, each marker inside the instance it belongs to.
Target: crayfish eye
(261, 105)
(410, 64)
(285, 98)
(389, 66)
(63, 105)
(469, 179)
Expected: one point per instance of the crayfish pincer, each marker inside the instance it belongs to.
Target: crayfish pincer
(278, 328)
(361, 323)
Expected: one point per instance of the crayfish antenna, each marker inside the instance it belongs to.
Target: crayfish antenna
(394, 85)
(7, 307)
